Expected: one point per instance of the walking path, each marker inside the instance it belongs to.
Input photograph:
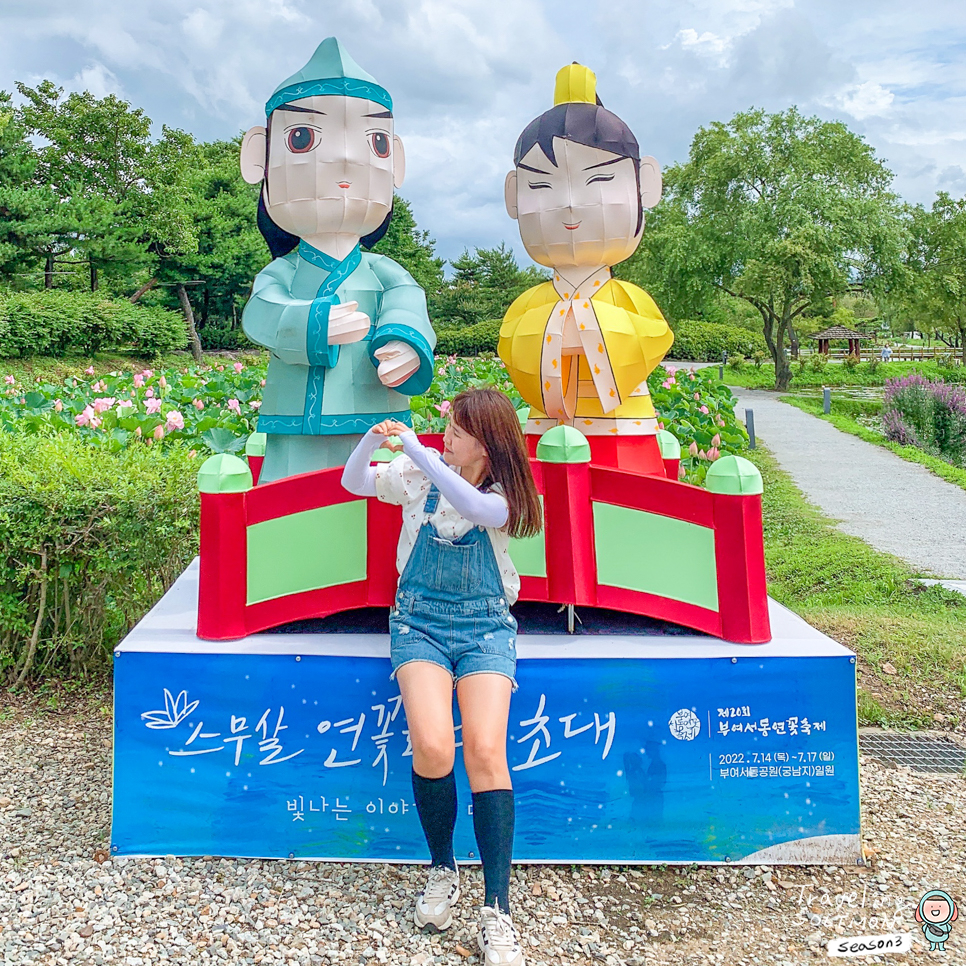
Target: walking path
(894, 505)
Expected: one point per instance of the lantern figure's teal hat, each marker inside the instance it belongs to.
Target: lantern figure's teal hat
(329, 71)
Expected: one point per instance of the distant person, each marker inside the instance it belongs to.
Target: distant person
(885, 353)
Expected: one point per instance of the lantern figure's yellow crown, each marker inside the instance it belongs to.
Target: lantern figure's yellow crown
(576, 84)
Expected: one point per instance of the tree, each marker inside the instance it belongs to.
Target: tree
(781, 211)
(937, 264)
(412, 248)
(482, 287)
(93, 158)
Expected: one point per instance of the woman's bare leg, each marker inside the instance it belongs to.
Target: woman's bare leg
(427, 693)
(484, 709)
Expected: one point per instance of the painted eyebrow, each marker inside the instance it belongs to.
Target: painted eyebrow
(526, 167)
(603, 164)
(298, 110)
(380, 114)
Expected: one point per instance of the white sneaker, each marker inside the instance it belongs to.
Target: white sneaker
(435, 906)
(498, 940)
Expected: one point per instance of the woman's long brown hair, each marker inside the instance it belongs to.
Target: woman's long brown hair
(489, 416)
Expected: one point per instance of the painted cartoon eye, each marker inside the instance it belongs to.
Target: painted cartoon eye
(379, 141)
(600, 177)
(301, 140)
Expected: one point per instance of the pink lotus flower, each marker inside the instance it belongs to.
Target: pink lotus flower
(10, 380)
(175, 421)
(234, 406)
(103, 403)
(149, 392)
(221, 368)
(667, 384)
(670, 370)
(58, 406)
(444, 407)
(163, 383)
(138, 379)
(197, 403)
(124, 407)
(703, 409)
(713, 453)
(262, 383)
(255, 404)
(158, 432)
(238, 367)
(89, 370)
(192, 453)
(152, 406)
(137, 430)
(693, 449)
(697, 396)
(147, 373)
(702, 455)
(87, 418)
(716, 439)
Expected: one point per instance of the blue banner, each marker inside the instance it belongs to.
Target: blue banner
(613, 759)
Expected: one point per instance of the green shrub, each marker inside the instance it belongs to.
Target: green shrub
(469, 340)
(58, 323)
(89, 540)
(216, 338)
(818, 362)
(705, 341)
(736, 362)
(851, 362)
(758, 357)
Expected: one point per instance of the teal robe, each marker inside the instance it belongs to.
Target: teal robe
(319, 399)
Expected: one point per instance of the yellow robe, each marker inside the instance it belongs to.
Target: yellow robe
(598, 381)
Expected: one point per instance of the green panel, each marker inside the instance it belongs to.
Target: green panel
(529, 555)
(306, 551)
(656, 555)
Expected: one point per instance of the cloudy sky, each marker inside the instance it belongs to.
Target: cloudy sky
(467, 75)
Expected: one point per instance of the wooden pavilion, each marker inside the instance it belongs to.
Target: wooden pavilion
(840, 332)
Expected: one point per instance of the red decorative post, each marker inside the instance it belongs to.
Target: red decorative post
(223, 584)
(569, 518)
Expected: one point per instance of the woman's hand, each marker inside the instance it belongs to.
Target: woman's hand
(391, 427)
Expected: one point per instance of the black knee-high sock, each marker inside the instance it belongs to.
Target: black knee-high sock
(493, 816)
(436, 804)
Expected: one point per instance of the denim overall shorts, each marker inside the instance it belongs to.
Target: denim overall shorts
(451, 607)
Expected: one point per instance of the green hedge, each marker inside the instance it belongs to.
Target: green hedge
(59, 323)
(89, 540)
(705, 341)
(469, 340)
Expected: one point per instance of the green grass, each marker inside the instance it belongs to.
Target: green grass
(843, 416)
(869, 601)
(836, 374)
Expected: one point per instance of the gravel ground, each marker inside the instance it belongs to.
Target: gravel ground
(895, 505)
(63, 899)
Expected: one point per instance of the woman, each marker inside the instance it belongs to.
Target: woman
(452, 627)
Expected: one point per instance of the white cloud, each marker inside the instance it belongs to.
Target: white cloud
(98, 80)
(467, 75)
(865, 100)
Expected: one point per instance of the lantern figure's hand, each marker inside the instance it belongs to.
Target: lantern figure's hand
(346, 324)
(397, 362)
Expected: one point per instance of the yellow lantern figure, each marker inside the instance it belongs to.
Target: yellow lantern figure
(580, 347)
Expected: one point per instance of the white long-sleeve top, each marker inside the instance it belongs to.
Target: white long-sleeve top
(406, 480)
